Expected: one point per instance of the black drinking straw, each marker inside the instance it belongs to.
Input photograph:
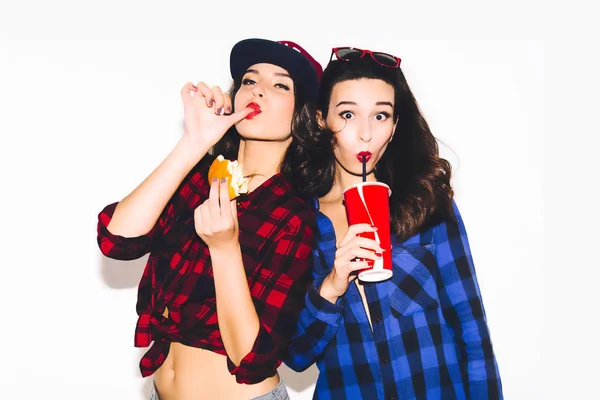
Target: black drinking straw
(364, 162)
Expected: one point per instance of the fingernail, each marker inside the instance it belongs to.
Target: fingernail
(210, 103)
(219, 110)
(215, 180)
(228, 109)
(374, 227)
(223, 180)
(379, 254)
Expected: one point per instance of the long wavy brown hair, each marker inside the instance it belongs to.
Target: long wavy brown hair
(411, 165)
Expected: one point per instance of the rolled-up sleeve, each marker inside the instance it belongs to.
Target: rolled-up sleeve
(317, 326)
(128, 248)
(462, 305)
(278, 294)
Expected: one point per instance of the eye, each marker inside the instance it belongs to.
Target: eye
(346, 114)
(382, 116)
(248, 81)
(282, 86)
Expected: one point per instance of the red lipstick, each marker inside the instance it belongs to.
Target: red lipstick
(256, 109)
(366, 154)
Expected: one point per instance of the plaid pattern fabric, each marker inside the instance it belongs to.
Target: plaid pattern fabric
(429, 340)
(276, 237)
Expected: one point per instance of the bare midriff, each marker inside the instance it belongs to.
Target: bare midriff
(191, 373)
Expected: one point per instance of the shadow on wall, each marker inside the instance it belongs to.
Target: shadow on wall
(148, 381)
(122, 274)
(119, 274)
(298, 381)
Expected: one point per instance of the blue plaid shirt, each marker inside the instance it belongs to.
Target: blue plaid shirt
(429, 340)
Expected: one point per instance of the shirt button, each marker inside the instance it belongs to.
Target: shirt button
(392, 398)
(377, 319)
(386, 360)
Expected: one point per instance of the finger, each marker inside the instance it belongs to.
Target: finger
(206, 218)
(361, 228)
(354, 230)
(362, 253)
(206, 93)
(218, 97)
(239, 115)
(213, 199)
(345, 254)
(366, 243)
(187, 90)
(198, 222)
(357, 265)
(234, 212)
(341, 252)
(224, 200)
(227, 104)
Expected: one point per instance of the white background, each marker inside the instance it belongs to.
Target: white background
(89, 105)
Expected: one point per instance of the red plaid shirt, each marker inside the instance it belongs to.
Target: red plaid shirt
(276, 236)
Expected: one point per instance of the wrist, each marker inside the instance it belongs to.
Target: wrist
(226, 250)
(191, 149)
(327, 291)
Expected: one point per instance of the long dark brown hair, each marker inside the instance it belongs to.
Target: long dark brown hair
(296, 162)
(411, 165)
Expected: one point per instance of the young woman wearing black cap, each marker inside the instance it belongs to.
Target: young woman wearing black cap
(225, 280)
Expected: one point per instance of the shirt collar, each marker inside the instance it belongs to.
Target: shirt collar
(315, 204)
(276, 185)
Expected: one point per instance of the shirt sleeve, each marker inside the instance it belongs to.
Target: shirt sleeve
(462, 306)
(318, 323)
(129, 248)
(191, 191)
(278, 294)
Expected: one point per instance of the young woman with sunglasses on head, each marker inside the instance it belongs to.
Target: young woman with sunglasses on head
(225, 280)
(421, 334)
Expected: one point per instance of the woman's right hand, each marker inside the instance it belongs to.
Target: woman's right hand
(207, 113)
(345, 266)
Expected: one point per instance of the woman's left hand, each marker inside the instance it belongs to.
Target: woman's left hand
(216, 219)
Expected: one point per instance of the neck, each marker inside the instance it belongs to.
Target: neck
(261, 157)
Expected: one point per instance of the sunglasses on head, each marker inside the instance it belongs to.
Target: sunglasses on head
(352, 54)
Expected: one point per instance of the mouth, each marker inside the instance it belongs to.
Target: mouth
(256, 109)
(364, 154)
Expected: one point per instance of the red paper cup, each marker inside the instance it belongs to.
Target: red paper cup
(368, 203)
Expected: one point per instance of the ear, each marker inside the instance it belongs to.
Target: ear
(320, 119)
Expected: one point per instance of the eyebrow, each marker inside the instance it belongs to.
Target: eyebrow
(352, 103)
(275, 73)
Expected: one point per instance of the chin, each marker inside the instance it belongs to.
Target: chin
(352, 169)
(259, 134)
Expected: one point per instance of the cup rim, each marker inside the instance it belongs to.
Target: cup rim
(369, 183)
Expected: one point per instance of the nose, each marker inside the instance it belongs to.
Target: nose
(365, 134)
(257, 91)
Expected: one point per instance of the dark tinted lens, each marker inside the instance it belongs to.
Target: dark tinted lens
(385, 59)
(349, 54)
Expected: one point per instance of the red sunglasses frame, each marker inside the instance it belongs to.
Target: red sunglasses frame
(363, 53)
